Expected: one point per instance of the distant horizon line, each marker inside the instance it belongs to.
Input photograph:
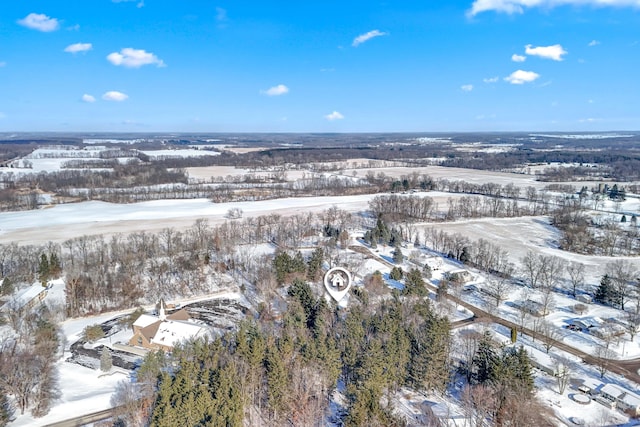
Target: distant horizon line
(537, 132)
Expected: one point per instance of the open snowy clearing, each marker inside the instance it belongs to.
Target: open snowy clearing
(519, 235)
(62, 222)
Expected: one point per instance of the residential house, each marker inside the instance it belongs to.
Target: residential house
(622, 399)
(164, 331)
(29, 298)
(459, 276)
(532, 307)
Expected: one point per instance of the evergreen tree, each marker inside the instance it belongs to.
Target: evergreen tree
(396, 273)
(314, 265)
(414, 284)
(607, 293)
(106, 360)
(55, 268)
(514, 335)
(465, 256)
(297, 263)
(398, 257)
(277, 379)
(484, 360)
(282, 265)
(43, 269)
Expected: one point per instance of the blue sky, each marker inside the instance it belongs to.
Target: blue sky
(330, 66)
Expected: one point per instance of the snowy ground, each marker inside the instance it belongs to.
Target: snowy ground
(519, 235)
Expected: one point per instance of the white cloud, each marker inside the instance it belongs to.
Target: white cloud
(114, 95)
(518, 58)
(554, 52)
(134, 58)
(138, 5)
(366, 37)
(89, 98)
(221, 14)
(593, 43)
(275, 91)
(78, 47)
(519, 6)
(491, 79)
(334, 116)
(466, 88)
(40, 22)
(519, 77)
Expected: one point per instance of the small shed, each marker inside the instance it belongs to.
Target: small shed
(459, 276)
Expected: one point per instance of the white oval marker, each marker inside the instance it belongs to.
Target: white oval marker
(337, 281)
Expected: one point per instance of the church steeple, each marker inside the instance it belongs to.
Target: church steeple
(161, 313)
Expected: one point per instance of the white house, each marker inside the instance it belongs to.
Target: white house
(623, 399)
(165, 331)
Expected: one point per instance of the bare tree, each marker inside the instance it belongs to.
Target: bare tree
(622, 274)
(563, 370)
(575, 270)
(531, 268)
(550, 334)
(603, 357)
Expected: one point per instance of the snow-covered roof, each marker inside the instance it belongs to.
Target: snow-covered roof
(589, 322)
(629, 398)
(145, 320)
(541, 358)
(24, 296)
(172, 332)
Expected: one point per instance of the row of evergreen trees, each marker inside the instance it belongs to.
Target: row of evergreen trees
(284, 374)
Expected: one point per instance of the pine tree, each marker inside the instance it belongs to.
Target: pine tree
(277, 379)
(43, 269)
(314, 265)
(396, 273)
(606, 292)
(106, 360)
(484, 360)
(398, 257)
(414, 284)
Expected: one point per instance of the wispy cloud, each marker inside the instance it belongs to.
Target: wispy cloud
(366, 37)
(134, 58)
(554, 52)
(518, 58)
(275, 90)
(140, 3)
(519, 6)
(114, 95)
(88, 98)
(491, 79)
(221, 14)
(40, 22)
(466, 88)
(78, 47)
(593, 43)
(334, 116)
(3, 64)
(520, 77)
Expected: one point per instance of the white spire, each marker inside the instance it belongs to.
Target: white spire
(162, 314)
